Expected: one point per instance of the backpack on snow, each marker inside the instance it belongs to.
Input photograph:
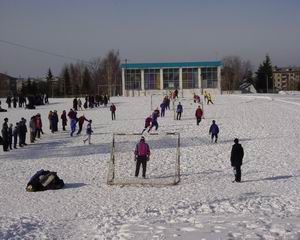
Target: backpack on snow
(44, 180)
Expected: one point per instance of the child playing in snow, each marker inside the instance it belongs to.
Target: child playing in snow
(88, 132)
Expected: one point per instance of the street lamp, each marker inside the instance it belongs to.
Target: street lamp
(267, 83)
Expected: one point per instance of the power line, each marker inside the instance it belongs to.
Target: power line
(41, 51)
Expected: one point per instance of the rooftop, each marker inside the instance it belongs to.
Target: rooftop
(172, 64)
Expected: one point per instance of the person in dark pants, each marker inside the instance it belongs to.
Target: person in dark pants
(75, 104)
(142, 153)
(198, 114)
(179, 111)
(4, 132)
(236, 158)
(64, 120)
(81, 120)
(16, 134)
(214, 130)
(10, 136)
(113, 111)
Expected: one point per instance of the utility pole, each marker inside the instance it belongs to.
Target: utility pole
(267, 84)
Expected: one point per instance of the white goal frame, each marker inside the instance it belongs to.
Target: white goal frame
(145, 182)
(162, 95)
(177, 100)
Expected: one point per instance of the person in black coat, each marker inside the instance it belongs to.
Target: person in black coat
(237, 154)
(5, 137)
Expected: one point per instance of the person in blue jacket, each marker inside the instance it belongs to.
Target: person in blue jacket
(213, 131)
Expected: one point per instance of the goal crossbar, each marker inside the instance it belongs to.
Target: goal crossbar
(151, 182)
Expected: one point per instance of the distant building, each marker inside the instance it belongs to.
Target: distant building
(186, 77)
(8, 85)
(286, 78)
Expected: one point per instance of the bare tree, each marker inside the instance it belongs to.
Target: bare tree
(235, 71)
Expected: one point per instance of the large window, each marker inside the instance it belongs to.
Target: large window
(133, 79)
(152, 79)
(171, 78)
(209, 77)
(189, 78)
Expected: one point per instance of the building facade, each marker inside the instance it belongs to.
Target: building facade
(187, 77)
(8, 85)
(286, 78)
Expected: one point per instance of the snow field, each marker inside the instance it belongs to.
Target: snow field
(205, 205)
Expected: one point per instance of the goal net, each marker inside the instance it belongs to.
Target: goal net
(163, 167)
(156, 100)
(189, 108)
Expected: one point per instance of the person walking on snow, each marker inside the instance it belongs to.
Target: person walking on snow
(198, 114)
(154, 122)
(214, 130)
(148, 121)
(113, 111)
(162, 109)
(142, 154)
(179, 111)
(88, 132)
(209, 99)
(236, 159)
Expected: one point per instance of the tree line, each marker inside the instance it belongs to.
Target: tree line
(102, 76)
(98, 76)
(237, 71)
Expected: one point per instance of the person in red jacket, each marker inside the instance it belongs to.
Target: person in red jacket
(198, 114)
(38, 125)
(142, 154)
(113, 111)
(148, 121)
(81, 120)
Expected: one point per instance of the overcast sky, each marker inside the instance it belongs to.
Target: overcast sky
(146, 31)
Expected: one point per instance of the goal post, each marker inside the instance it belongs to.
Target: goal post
(155, 100)
(163, 167)
(189, 108)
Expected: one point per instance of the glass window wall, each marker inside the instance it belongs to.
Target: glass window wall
(133, 79)
(152, 79)
(171, 78)
(189, 78)
(209, 77)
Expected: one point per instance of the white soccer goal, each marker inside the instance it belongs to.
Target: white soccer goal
(189, 108)
(156, 99)
(163, 167)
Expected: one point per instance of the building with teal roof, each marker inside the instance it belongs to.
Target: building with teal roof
(186, 77)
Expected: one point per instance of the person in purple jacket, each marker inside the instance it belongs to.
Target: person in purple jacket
(141, 153)
(214, 130)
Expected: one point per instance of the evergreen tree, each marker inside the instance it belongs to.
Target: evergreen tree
(264, 76)
(66, 81)
(85, 87)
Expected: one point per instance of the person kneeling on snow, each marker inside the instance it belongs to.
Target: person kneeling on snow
(44, 180)
(142, 154)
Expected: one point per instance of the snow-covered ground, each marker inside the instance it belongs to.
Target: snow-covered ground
(204, 205)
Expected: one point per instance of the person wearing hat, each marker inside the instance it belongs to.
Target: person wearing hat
(142, 153)
(236, 158)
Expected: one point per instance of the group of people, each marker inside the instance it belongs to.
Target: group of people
(21, 101)
(142, 150)
(13, 136)
(90, 102)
